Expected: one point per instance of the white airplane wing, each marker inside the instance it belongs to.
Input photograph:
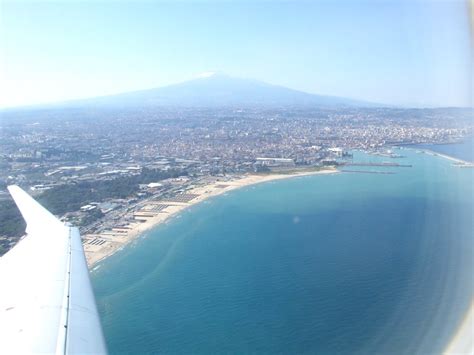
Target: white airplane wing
(46, 300)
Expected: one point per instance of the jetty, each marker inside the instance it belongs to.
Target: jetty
(368, 172)
(390, 165)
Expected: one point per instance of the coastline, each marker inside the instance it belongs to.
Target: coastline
(460, 339)
(112, 241)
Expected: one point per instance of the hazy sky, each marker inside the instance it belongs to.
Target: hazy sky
(399, 52)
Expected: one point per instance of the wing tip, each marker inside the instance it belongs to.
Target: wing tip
(13, 188)
(31, 210)
(18, 194)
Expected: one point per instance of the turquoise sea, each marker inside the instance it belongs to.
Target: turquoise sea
(329, 264)
(463, 150)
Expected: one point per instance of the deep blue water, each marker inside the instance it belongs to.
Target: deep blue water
(347, 263)
(463, 150)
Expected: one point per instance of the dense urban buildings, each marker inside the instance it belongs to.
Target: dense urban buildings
(106, 162)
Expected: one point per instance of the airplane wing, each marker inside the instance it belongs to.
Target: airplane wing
(46, 300)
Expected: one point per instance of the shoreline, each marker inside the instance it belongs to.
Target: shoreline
(99, 247)
(459, 342)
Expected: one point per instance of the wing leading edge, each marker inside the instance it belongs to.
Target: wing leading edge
(46, 301)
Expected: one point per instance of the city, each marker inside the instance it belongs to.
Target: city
(136, 156)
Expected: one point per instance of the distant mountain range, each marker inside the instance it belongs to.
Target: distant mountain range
(216, 90)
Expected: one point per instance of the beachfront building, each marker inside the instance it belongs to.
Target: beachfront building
(275, 162)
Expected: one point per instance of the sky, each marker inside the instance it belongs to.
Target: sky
(405, 52)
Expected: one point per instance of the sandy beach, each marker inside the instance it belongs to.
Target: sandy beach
(97, 247)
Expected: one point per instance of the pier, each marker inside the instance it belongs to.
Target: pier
(368, 172)
(390, 165)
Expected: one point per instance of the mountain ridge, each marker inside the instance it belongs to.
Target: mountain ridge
(217, 89)
(211, 90)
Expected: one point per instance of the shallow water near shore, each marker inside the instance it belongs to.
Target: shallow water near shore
(342, 263)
